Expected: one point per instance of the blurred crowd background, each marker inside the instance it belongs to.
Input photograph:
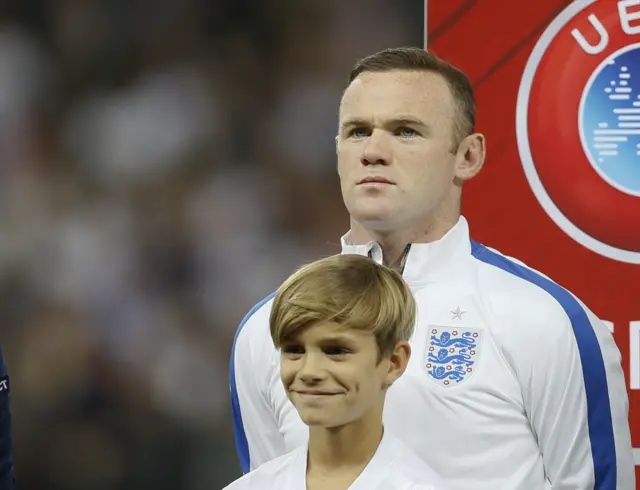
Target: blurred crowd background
(164, 164)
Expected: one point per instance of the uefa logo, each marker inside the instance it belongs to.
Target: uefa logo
(578, 125)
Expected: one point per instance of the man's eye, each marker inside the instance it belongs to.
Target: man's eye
(406, 132)
(358, 132)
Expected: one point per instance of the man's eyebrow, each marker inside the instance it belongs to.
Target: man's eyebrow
(349, 123)
(411, 120)
(354, 122)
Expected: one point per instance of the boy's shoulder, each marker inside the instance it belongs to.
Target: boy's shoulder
(411, 472)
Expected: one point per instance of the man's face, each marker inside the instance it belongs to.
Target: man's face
(333, 376)
(394, 148)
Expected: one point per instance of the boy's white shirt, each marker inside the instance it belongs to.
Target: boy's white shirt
(393, 467)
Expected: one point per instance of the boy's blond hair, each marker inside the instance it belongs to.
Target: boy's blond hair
(350, 290)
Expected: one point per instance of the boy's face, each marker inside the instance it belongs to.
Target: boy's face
(333, 377)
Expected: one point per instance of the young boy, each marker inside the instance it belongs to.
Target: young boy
(342, 326)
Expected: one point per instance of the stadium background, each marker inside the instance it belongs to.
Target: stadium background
(164, 165)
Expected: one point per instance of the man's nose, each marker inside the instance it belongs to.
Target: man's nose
(376, 149)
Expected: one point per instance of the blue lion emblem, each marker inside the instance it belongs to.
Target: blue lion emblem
(451, 354)
(445, 340)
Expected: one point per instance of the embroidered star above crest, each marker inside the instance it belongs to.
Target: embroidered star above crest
(457, 313)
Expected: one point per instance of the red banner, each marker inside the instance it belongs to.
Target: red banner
(558, 90)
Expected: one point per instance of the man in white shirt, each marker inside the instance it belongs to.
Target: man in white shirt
(342, 326)
(513, 382)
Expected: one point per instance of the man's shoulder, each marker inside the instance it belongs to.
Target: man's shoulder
(503, 273)
(255, 324)
(514, 286)
(524, 299)
(266, 476)
(252, 346)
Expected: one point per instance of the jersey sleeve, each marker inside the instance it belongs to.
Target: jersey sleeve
(6, 438)
(251, 372)
(572, 383)
(618, 403)
(574, 394)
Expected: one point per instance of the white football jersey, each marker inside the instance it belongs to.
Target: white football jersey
(512, 384)
(393, 467)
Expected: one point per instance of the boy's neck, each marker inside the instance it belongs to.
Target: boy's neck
(344, 449)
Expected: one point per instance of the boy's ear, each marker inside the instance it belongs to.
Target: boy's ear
(398, 362)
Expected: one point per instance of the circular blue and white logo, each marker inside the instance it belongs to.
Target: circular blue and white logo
(609, 120)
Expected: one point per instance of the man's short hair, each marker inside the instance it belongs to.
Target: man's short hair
(417, 59)
(352, 291)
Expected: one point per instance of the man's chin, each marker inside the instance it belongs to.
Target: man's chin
(378, 221)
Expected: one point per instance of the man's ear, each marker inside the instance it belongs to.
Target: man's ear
(470, 156)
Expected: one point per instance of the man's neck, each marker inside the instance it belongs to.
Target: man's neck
(394, 243)
(348, 448)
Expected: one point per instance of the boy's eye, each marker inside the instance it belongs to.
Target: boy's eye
(292, 349)
(336, 351)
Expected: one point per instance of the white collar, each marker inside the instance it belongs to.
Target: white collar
(425, 261)
(385, 454)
